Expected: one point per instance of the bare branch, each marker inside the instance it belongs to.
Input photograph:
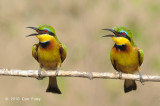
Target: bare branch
(90, 75)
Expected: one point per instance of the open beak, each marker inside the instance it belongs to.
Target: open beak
(111, 30)
(32, 28)
(108, 36)
(34, 34)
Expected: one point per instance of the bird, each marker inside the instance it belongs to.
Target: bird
(49, 52)
(125, 56)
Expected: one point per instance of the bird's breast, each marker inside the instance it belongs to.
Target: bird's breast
(48, 55)
(125, 60)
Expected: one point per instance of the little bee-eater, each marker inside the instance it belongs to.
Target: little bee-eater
(125, 56)
(49, 52)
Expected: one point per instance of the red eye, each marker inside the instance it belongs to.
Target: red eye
(45, 31)
(123, 33)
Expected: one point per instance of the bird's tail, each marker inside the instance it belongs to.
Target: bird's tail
(129, 85)
(52, 86)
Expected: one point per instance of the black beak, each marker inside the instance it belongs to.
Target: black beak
(34, 28)
(108, 36)
(111, 30)
(34, 34)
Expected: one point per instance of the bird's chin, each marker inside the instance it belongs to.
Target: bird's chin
(120, 40)
(44, 37)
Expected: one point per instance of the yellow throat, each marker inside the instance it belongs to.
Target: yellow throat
(44, 37)
(120, 40)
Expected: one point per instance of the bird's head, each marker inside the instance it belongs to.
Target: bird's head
(121, 35)
(44, 32)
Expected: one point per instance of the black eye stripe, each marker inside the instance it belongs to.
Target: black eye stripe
(127, 37)
(123, 34)
(50, 33)
(46, 32)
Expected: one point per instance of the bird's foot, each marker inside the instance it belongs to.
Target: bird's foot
(39, 75)
(90, 75)
(120, 75)
(140, 78)
(57, 71)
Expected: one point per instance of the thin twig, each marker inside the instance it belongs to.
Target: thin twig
(90, 75)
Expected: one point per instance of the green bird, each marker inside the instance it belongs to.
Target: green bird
(125, 56)
(49, 52)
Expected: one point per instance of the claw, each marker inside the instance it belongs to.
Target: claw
(57, 71)
(140, 78)
(39, 75)
(120, 74)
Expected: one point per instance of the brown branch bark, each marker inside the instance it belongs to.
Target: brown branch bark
(90, 75)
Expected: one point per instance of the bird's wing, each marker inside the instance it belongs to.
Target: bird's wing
(113, 61)
(63, 52)
(140, 56)
(35, 51)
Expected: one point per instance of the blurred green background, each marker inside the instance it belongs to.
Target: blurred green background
(78, 25)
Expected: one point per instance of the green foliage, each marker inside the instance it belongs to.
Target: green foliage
(116, 6)
(154, 8)
(155, 63)
(137, 31)
(114, 89)
(136, 2)
(62, 83)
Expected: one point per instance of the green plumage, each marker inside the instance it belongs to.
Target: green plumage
(49, 28)
(49, 52)
(125, 56)
(129, 33)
